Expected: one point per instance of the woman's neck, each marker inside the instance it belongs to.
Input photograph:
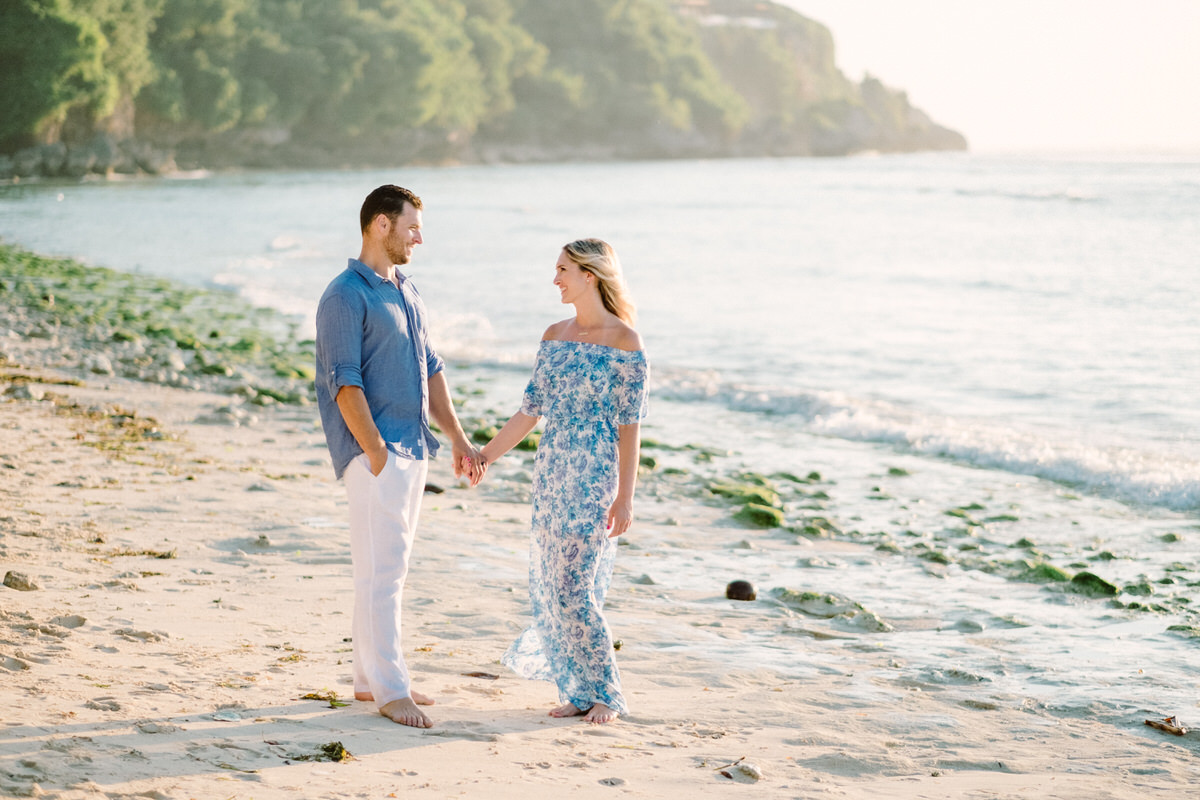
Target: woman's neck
(591, 315)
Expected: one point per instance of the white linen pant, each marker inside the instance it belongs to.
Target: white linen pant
(383, 524)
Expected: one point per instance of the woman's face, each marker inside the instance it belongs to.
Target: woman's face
(571, 281)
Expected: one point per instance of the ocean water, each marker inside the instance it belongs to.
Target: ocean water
(1013, 339)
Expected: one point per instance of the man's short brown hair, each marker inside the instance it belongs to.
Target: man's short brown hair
(388, 200)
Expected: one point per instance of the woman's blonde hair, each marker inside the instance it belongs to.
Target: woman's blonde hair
(598, 258)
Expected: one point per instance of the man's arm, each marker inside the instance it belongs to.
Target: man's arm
(357, 414)
(442, 410)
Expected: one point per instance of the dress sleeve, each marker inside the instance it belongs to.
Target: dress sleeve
(534, 399)
(632, 390)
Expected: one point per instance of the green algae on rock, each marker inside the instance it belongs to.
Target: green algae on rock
(1142, 588)
(831, 606)
(936, 556)
(1091, 584)
(760, 515)
(1042, 572)
(150, 329)
(746, 493)
(1188, 631)
(963, 514)
(818, 527)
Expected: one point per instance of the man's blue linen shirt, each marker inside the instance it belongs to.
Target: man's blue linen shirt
(373, 335)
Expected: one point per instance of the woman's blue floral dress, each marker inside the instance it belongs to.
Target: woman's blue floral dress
(584, 391)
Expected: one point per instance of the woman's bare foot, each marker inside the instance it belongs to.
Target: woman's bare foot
(417, 697)
(405, 712)
(567, 710)
(599, 714)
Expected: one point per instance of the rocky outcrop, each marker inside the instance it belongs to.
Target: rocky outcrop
(102, 155)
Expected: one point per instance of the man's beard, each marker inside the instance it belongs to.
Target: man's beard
(398, 255)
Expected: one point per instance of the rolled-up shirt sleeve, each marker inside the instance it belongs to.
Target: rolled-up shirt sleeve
(339, 343)
(433, 362)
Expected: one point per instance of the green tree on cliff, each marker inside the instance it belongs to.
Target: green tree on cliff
(639, 77)
(69, 63)
(641, 69)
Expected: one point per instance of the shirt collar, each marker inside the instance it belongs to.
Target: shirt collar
(371, 276)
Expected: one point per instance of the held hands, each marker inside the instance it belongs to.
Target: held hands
(469, 464)
(620, 517)
(481, 463)
(474, 467)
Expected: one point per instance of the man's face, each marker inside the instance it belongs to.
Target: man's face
(405, 234)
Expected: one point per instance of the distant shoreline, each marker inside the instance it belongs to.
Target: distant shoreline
(106, 158)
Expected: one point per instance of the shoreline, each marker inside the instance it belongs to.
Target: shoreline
(106, 158)
(194, 587)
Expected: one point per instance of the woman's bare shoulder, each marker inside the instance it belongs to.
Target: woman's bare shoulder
(555, 331)
(627, 338)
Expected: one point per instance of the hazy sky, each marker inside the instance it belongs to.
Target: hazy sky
(1033, 74)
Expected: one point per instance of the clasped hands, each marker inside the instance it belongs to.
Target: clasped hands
(470, 464)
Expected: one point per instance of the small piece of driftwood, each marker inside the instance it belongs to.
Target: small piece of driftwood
(1168, 724)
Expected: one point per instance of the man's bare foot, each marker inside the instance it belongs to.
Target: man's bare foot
(405, 712)
(568, 710)
(417, 697)
(599, 714)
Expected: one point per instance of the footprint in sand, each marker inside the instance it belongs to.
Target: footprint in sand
(145, 636)
(103, 704)
(469, 731)
(13, 664)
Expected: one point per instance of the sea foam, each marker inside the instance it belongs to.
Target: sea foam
(1080, 459)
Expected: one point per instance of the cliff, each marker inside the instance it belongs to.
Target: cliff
(149, 86)
(782, 65)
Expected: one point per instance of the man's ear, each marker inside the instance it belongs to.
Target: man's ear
(380, 224)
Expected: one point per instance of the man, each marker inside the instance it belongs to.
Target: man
(378, 383)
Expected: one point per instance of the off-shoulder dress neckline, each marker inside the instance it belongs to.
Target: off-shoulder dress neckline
(594, 344)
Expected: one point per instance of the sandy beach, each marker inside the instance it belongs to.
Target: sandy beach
(188, 594)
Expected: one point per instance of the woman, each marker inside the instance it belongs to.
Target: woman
(589, 382)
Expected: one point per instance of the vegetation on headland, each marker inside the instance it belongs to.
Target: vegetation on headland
(140, 85)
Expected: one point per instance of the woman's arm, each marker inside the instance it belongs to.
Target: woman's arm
(516, 429)
(629, 445)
